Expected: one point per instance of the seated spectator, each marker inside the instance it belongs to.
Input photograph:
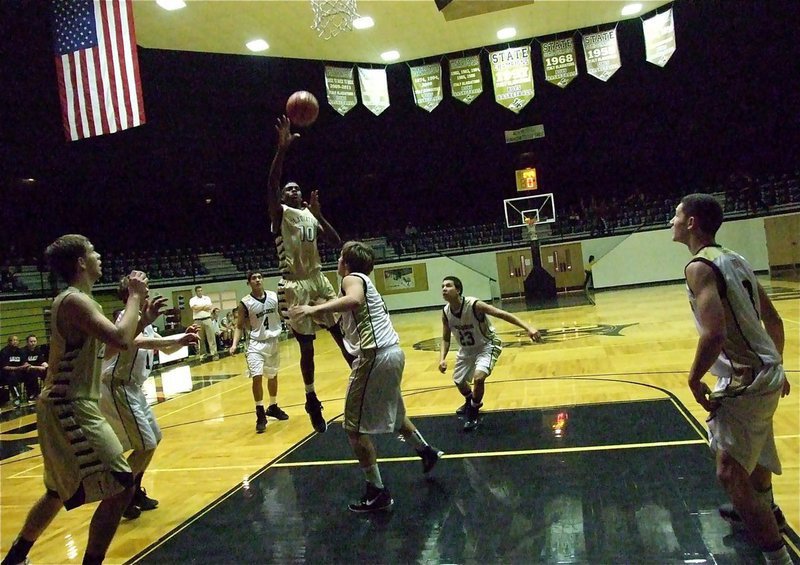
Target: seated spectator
(36, 358)
(12, 368)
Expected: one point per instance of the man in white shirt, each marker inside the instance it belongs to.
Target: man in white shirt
(201, 317)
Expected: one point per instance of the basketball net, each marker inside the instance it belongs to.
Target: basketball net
(530, 225)
(333, 16)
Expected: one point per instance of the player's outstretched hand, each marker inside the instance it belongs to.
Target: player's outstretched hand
(534, 334)
(300, 311)
(313, 204)
(285, 135)
(189, 339)
(442, 366)
(232, 349)
(154, 308)
(137, 284)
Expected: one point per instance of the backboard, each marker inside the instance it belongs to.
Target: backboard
(541, 206)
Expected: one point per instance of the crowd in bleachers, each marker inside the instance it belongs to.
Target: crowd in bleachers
(741, 194)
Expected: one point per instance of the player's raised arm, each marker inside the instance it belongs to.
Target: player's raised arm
(328, 232)
(285, 137)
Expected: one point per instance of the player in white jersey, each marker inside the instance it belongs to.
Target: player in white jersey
(741, 343)
(258, 315)
(297, 225)
(479, 347)
(122, 399)
(83, 459)
(373, 402)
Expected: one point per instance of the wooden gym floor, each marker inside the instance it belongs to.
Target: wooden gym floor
(628, 478)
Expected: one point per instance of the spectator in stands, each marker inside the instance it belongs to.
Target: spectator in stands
(13, 368)
(36, 360)
(202, 306)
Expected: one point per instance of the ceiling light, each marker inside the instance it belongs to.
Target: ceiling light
(257, 45)
(506, 33)
(171, 4)
(390, 56)
(363, 22)
(631, 9)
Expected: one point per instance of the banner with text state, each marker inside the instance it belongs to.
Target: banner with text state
(659, 38)
(341, 88)
(560, 63)
(374, 89)
(513, 77)
(466, 80)
(602, 54)
(426, 82)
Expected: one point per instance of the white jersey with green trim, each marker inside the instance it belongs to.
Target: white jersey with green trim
(263, 316)
(298, 256)
(472, 330)
(369, 326)
(747, 348)
(132, 365)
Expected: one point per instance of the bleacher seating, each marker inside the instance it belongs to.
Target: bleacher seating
(26, 276)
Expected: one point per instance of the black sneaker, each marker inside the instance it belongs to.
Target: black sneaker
(132, 512)
(314, 410)
(374, 500)
(143, 501)
(728, 513)
(472, 417)
(430, 456)
(273, 411)
(261, 420)
(463, 408)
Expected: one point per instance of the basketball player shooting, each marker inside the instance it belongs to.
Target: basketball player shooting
(296, 225)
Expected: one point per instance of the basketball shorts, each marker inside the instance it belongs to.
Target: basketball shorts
(742, 425)
(313, 290)
(468, 362)
(126, 408)
(83, 458)
(373, 403)
(263, 357)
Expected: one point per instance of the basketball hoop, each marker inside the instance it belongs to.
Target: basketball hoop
(333, 16)
(530, 225)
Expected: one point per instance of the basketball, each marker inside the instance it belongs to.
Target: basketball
(302, 108)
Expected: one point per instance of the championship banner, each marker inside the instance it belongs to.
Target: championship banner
(513, 77)
(602, 54)
(374, 89)
(466, 81)
(426, 82)
(560, 63)
(659, 38)
(341, 88)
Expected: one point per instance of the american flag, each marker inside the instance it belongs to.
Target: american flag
(98, 68)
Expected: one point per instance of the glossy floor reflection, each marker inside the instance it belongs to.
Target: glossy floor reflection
(625, 482)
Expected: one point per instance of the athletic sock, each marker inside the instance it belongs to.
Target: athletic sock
(260, 403)
(416, 440)
(310, 389)
(273, 400)
(373, 475)
(779, 556)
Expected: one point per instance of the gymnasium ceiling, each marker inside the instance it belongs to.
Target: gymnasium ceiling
(415, 28)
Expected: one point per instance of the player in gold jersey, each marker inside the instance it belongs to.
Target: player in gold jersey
(297, 225)
(83, 459)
